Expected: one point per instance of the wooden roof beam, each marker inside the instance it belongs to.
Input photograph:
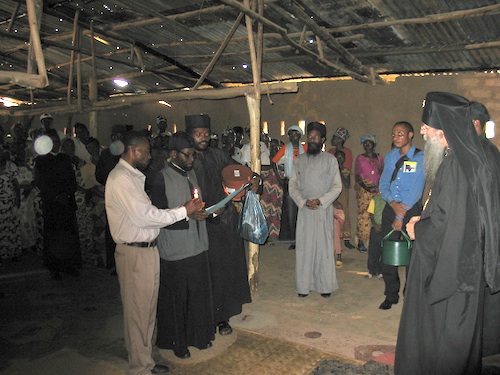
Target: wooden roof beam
(288, 40)
(221, 49)
(293, 8)
(127, 101)
(394, 51)
(28, 79)
(434, 18)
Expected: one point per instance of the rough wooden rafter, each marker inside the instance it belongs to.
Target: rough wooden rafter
(326, 37)
(26, 79)
(129, 100)
(221, 49)
(291, 42)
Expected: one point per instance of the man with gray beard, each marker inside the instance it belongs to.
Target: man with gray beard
(434, 154)
(455, 252)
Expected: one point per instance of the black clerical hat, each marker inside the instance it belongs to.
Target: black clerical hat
(179, 141)
(197, 121)
(317, 126)
(441, 107)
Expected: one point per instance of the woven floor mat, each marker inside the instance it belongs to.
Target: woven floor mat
(253, 354)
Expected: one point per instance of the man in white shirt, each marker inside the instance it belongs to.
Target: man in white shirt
(135, 224)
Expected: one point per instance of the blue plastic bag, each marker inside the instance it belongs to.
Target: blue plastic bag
(253, 225)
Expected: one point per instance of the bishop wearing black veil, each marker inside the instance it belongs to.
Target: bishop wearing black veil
(455, 255)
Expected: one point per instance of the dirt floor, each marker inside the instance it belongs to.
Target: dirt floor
(75, 325)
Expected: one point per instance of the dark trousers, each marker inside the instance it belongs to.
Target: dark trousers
(289, 212)
(110, 248)
(375, 253)
(390, 273)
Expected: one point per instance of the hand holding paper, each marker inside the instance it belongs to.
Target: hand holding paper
(224, 201)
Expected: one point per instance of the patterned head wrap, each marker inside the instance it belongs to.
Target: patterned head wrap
(160, 118)
(342, 133)
(368, 137)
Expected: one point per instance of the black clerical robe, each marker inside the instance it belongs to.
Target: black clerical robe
(228, 266)
(441, 323)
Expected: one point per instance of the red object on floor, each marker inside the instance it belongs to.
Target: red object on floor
(387, 358)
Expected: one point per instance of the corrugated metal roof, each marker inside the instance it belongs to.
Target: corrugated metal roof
(166, 45)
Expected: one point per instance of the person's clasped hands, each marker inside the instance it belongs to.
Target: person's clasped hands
(313, 204)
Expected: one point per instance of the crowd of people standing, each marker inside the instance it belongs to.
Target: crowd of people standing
(147, 193)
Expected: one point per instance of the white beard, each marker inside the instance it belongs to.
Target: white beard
(433, 157)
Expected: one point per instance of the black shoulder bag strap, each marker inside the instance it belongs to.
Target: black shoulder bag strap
(400, 162)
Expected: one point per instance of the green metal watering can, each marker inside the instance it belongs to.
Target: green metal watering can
(396, 252)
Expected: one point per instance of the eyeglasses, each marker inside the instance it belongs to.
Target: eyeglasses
(188, 156)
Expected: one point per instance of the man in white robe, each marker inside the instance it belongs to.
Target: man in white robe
(314, 186)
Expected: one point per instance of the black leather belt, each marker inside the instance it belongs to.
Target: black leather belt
(141, 244)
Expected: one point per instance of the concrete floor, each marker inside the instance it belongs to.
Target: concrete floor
(37, 339)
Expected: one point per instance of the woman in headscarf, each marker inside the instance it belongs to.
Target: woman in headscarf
(289, 208)
(367, 171)
(338, 139)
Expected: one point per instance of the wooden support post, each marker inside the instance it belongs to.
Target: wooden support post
(260, 39)
(253, 249)
(253, 103)
(72, 57)
(93, 86)
(40, 80)
(79, 70)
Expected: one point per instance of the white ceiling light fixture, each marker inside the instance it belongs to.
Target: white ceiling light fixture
(120, 82)
(101, 40)
(163, 102)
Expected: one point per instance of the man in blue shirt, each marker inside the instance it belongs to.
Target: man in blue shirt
(401, 185)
